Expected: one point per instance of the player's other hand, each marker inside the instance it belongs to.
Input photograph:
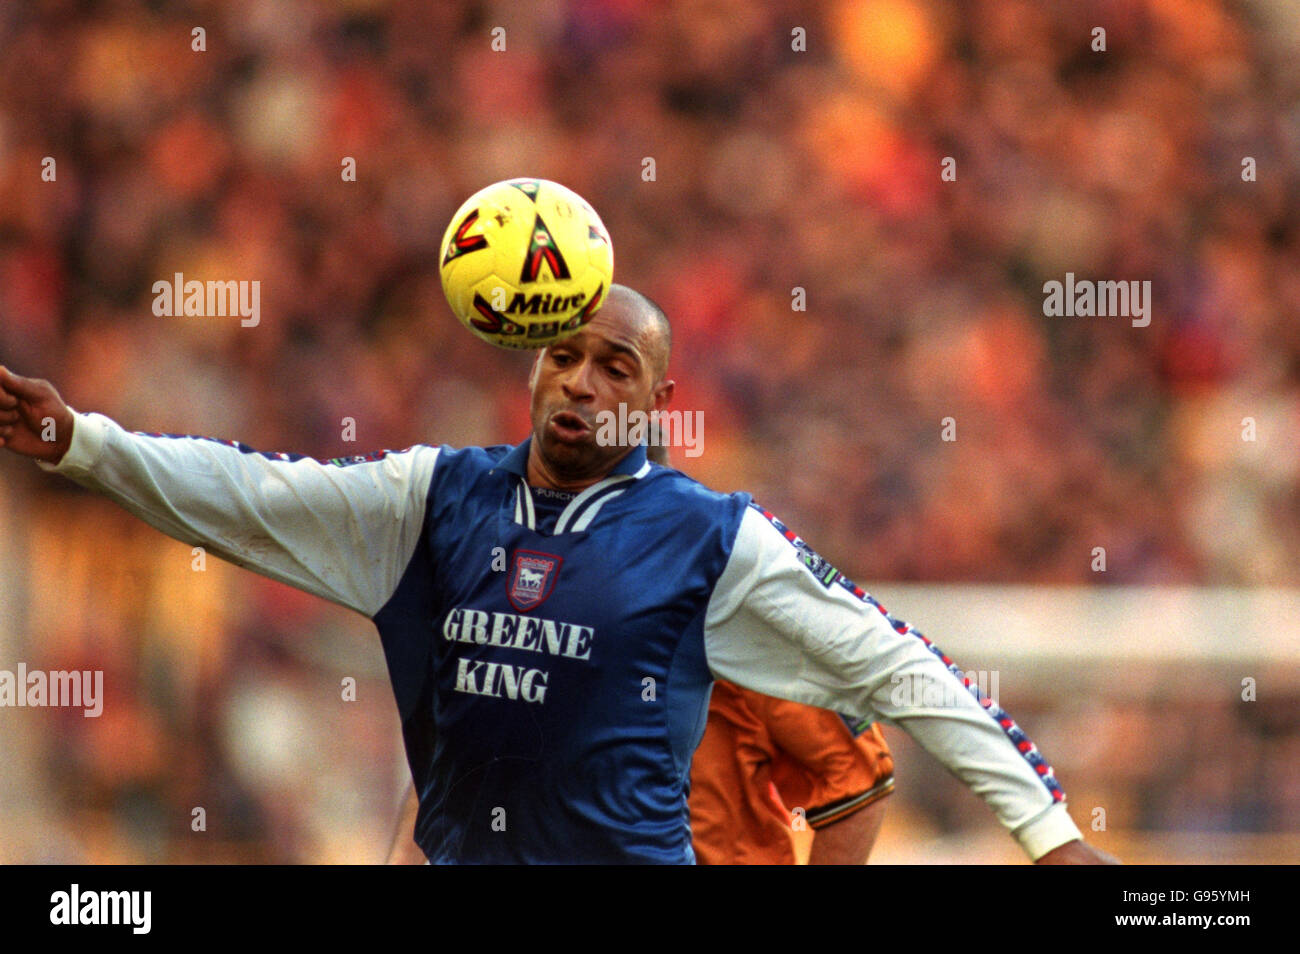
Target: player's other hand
(1077, 853)
(34, 421)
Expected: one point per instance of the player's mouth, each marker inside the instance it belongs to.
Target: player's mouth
(569, 426)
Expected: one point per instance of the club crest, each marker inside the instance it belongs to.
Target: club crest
(532, 577)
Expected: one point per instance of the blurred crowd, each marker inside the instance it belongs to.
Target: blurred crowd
(770, 173)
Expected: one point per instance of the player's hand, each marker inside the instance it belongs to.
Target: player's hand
(1077, 852)
(34, 421)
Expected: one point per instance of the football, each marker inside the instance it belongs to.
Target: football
(526, 262)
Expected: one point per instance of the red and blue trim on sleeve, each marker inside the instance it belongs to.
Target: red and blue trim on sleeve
(828, 575)
(277, 455)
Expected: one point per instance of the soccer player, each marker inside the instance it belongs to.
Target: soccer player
(553, 614)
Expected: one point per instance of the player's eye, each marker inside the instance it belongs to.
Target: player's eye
(619, 373)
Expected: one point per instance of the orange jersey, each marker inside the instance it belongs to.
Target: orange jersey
(762, 759)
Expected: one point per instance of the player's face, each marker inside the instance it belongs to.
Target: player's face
(579, 383)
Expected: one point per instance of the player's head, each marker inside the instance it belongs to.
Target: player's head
(619, 357)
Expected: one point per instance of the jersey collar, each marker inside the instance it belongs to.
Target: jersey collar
(634, 464)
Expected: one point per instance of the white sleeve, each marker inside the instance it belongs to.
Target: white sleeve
(780, 623)
(343, 532)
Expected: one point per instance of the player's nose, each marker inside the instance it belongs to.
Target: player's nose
(578, 382)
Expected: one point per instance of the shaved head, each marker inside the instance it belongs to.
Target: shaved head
(653, 324)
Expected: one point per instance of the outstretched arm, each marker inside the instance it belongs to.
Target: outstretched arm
(783, 622)
(343, 530)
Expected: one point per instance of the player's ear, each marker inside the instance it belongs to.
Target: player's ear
(663, 394)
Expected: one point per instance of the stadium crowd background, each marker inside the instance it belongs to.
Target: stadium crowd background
(773, 169)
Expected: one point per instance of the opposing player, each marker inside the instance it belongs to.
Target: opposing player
(539, 611)
(766, 767)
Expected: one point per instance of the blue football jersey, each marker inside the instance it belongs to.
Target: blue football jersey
(553, 685)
